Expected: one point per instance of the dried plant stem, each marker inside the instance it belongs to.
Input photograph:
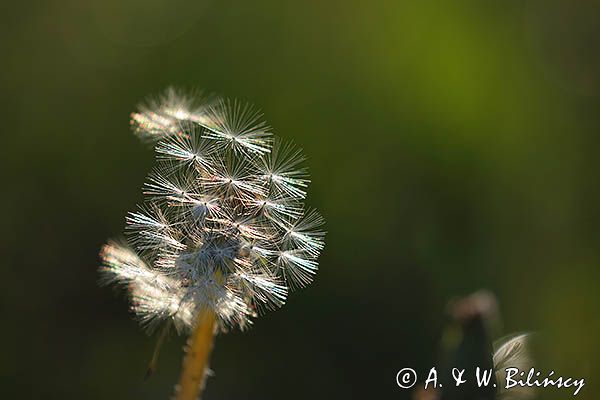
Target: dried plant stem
(161, 338)
(195, 362)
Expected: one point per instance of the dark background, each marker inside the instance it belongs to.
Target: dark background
(453, 146)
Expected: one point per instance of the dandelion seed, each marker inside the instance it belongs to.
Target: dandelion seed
(239, 127)
(186, 147)
(223, 234)
(164, 115)
(282, 167)
(513, 352)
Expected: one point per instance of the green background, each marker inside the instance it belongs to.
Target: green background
(452, 146)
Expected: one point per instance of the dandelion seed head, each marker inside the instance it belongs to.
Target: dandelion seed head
(223, 226)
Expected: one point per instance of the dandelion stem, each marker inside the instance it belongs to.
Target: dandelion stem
(195, 362)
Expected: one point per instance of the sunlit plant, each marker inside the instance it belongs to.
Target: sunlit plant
(223, 234)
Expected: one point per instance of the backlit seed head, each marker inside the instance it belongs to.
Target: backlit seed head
(223, 227)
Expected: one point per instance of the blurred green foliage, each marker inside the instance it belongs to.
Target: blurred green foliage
(452, 145)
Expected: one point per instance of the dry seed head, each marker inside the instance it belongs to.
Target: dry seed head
(223, 227)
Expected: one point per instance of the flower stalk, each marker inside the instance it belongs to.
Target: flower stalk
(195, 362)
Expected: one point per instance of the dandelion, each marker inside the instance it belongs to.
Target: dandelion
(223, 234)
